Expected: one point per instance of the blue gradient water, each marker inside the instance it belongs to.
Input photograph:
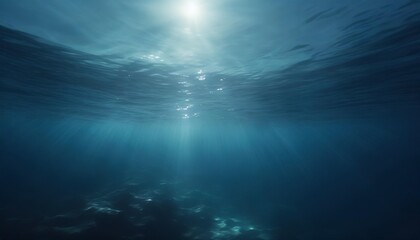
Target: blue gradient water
(227, 120)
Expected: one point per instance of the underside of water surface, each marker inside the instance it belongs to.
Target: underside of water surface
(209, 120)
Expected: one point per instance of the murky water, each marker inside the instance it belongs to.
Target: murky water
(209, 119)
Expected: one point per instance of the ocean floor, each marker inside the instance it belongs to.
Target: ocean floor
(133, 211)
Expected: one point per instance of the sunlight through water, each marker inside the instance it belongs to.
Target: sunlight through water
(209, 119)
(192, 10)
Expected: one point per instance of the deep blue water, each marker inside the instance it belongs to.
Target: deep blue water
(222, 120)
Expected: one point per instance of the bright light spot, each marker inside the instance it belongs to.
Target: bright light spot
(185, 108)
(236, 229)
(191, 10)
(221, 224)
(201, 76)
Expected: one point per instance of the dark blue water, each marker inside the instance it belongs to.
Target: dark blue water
(224, 120)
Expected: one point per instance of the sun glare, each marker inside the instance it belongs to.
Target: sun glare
(191, 10)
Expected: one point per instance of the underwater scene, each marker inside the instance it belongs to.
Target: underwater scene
(209, 120)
